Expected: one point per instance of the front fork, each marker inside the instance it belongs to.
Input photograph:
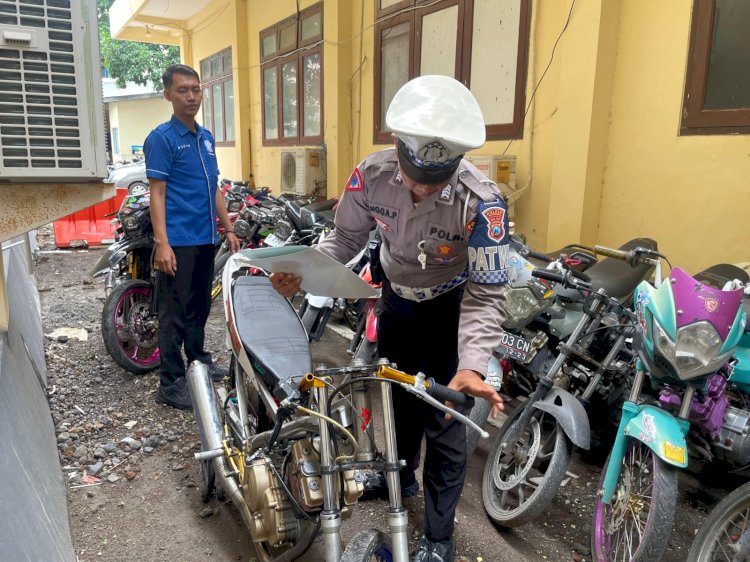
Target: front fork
(675, 430)
(330, 518)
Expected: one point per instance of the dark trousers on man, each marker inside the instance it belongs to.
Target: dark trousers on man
(184, 303)
(423, 336)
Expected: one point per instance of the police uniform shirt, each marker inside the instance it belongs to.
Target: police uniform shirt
(186, 160)
(446, 222)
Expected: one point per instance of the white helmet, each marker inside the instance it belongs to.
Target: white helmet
(436, 120)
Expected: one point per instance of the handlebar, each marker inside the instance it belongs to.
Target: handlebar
(634, 257)
(571, 278)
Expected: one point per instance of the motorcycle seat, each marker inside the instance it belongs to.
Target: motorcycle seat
(718, 275)
(618, 279)
(271, 332)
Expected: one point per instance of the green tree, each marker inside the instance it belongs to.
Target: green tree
(128, 61)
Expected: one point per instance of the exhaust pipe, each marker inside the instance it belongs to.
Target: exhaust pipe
(205, 401)
(207, 416)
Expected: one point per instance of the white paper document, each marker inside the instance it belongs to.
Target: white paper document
(322, 276)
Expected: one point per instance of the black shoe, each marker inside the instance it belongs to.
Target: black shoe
(176, 395)
(435, 551)
(377, 489)
(217, 374)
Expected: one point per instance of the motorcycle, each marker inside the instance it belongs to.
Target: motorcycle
(692, 344)
(129, 321)
(278, 441)
(725, 534)
(303, 224)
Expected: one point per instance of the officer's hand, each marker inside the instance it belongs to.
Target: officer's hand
(165, 260)
(470, 382)
(286, 284)
(234, 242)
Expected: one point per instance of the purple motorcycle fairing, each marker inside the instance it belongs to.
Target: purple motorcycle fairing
(712, 305)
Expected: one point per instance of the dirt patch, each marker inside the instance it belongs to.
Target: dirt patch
(148, 507)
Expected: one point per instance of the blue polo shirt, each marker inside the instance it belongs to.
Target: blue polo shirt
(186, 160)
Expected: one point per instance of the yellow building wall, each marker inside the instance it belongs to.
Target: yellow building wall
(690, 193)
(135, 119)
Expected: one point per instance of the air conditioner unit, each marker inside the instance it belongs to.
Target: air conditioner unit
(51, 110)
(303, 171)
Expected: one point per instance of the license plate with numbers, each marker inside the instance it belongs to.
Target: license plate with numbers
(514, 346)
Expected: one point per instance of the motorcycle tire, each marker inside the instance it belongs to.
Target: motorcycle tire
(553, 469)
(367, 545)
(657, 478)
(128, 329)
(479, 414)
(219, 263)
(723, 531)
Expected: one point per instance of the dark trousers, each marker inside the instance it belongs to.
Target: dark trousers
(423, 336)
(184, 304)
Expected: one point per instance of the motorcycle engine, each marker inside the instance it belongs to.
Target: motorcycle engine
(733, 442)
(274, 521)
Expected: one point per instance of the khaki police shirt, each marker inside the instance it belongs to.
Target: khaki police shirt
(375, 196)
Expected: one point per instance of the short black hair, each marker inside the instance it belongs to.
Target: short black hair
(173, 69)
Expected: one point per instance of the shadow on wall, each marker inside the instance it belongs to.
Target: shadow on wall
(33, 511)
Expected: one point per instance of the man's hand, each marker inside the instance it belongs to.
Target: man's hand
(470, 382)
(165, 260)
(234, 242)
(286, 284)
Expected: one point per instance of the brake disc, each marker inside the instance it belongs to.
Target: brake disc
(515, 479)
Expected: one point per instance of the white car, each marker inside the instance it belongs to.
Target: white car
(130, 176)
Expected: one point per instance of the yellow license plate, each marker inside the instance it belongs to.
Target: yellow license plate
(674, 453)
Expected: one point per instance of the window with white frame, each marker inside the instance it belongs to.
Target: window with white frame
(218, 96)
(292, 74)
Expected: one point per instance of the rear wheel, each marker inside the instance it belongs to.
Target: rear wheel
(129, 330)
(525, 468)
(219, 264)
(137, 188)
(637, 524)
(368, 545)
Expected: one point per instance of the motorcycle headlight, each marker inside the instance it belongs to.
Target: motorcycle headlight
(234, 206)
(282, 230)
(521, 306)
(131, 223)
(241, 228)
(696, 351)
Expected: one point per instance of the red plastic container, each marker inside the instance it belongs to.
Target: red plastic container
(91, 226)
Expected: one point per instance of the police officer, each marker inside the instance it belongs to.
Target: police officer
(445, 233)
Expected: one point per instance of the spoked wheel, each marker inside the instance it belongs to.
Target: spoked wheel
(129, 329)
(525, 468)
(636, 526)
(368, 545)
(725, 534)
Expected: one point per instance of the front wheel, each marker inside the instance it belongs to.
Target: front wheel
(525, 468)
(725, 534)
(129, 330)
(637, 524)
(368, 545)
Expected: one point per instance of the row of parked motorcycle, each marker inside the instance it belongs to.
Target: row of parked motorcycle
(130, 319)
(601, 351)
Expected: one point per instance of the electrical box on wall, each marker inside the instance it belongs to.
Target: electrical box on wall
(51, 110)
(500, 169)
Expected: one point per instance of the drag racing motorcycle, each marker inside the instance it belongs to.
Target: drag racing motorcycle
(129, 321)
(278, 440)
(693, 345)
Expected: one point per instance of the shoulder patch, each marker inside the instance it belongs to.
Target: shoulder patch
(488, 245)
(355, 182)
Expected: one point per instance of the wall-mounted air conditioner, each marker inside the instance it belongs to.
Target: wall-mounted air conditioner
(303, 171)
(51, 111)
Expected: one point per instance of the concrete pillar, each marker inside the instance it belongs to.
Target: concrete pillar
(587, 60)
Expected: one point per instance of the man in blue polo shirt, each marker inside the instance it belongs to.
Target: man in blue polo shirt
(183, 175)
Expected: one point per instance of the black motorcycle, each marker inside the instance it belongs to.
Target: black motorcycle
(129, 321)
